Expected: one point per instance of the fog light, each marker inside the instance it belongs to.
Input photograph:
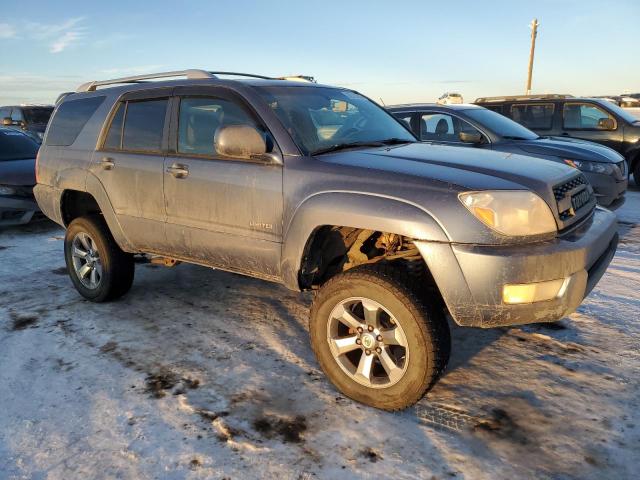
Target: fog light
(533, 292)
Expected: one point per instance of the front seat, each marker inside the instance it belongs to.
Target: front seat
(442, 128)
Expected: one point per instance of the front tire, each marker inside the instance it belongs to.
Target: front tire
(377, 339)
(98, 268)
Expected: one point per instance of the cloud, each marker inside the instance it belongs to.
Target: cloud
(58, 36)
(64, 41)
(7, 31)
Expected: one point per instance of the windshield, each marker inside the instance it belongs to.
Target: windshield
(37, 115)
(15, 145)
(621, 112)
(500, 125)
(320, 118)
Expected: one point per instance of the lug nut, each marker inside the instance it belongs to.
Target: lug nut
(358, 341)
(378, 350)
(379, 338)
(360, 330)
(367, 351)
(370, 328)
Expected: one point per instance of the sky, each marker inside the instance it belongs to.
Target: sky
(392, 51)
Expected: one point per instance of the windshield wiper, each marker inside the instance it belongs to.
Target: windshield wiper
(373, 143)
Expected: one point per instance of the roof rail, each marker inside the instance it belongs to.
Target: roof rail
(502, 98)
(238, 74)
(189, 74)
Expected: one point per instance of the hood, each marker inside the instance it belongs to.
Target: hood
(569, 148)
(18, 172)
(468, 168)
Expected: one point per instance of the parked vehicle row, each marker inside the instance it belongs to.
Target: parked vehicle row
(474, 126)
(319, 188)
(17, 177)
(591, 119)
(32, 119)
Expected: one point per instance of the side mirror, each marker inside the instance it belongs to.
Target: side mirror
(467, 137)
(606, 124)
(7, 122)
(239, 141)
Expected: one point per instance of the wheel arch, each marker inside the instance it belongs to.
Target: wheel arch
(370, 212)
(93, 199)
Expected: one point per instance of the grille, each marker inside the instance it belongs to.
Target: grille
(565, 207)
(559, 191)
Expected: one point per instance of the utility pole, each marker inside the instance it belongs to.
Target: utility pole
(534, 33)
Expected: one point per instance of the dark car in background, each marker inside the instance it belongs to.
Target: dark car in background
(17, 176)
(32, 119)
(474, 126)
(594, 119)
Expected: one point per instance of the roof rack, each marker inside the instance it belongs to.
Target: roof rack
(502, 98)
(189, 74)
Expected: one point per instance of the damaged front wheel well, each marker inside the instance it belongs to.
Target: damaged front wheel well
(332, 249)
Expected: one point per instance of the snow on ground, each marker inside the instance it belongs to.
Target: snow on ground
(203, 374)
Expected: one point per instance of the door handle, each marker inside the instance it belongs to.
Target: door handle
(107, 163)
(178, 170)
(564, 134)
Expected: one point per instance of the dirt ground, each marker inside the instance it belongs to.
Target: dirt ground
(198, 373)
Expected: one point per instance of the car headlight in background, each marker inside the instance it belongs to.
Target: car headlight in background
(7, 190)
(511, 212)
(593, 167)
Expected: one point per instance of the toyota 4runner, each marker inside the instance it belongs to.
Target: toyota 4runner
(318, 188)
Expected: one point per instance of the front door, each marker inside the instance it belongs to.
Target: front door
(221, 211)
(588, 121)
(129, 165)
(440, 127)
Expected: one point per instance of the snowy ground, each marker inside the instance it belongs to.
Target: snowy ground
(203, 374)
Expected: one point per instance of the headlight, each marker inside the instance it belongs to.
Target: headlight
(7, 190)
(509, 212)
(594, 167)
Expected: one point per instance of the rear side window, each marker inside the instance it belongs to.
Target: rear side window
(114, 136)
(137, 126)
(495, 108)
(70, 118)
(143, 125)
(537, 116)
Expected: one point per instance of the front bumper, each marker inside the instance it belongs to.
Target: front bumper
(471, 277)
(16, 210)
(609, 190)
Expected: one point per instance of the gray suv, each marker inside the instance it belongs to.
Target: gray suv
(318, 188)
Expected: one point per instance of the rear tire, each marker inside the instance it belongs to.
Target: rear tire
(380, 296)
(98, 268)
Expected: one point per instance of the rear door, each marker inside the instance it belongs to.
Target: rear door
(129, 164)
(221, 211)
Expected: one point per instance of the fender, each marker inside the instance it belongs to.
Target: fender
(357, 210)
(95, 188)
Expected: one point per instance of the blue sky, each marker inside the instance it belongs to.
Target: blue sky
(400, 51)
